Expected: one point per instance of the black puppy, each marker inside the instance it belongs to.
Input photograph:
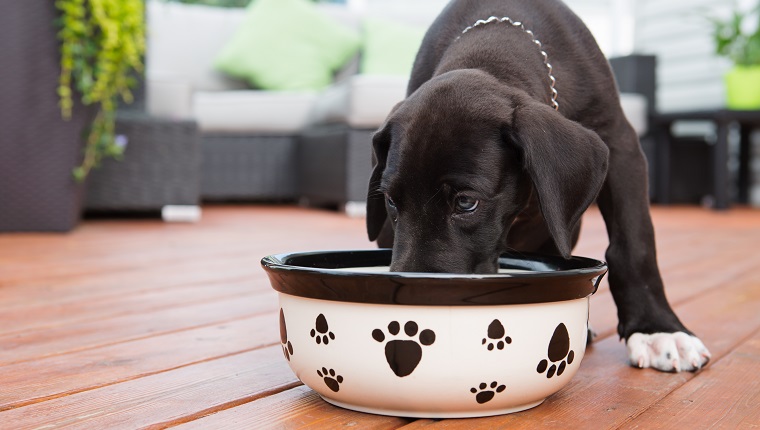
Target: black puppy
(511, 128)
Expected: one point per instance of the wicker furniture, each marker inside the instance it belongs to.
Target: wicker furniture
(160, 166)
(39, 149)
(722, 185)
(334, 165)
(248, 167)
(248, 136)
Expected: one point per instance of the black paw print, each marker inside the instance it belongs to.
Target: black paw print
(403, 356)
(484, 393)
(559, 350)
(331, 380)
(321, 332)
(287, 347)
(496, 336)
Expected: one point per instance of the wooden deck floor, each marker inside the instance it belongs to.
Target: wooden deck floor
(131, 324)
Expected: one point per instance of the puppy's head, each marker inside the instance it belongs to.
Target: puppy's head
(457, 161)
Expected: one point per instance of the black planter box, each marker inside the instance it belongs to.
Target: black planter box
(38, 149)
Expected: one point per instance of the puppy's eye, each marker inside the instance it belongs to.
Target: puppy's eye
(392, 209)
(465, 203)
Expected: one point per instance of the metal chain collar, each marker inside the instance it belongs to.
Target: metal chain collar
(507, 19)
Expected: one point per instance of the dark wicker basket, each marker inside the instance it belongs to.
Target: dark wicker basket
(160, 166)
(38, 149)
(248, 167)
(335, 162)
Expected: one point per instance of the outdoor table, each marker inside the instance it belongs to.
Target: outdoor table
(747, 120)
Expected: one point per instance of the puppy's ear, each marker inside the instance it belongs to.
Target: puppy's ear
(376, 213)
(566, 162)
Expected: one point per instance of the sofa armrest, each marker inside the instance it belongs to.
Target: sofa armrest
(362, 102)
(168, 95)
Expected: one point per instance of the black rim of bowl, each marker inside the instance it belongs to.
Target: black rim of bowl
(325, 276)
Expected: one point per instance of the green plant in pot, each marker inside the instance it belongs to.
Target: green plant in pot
(102, 46)
(742, 47)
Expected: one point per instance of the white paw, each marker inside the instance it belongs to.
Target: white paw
(669, 352)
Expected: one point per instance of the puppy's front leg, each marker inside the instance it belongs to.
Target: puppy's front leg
(654, 335)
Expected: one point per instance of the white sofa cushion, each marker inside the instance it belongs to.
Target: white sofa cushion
(251, 111)
(363, 101)
(169, 96)
(635, 109)
(183, 40)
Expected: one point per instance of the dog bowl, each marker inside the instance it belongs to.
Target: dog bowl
(431, 344)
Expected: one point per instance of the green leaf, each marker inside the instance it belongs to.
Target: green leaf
(102, 44)
(729, 40)
(79, 174)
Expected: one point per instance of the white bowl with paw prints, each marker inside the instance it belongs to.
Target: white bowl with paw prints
(429, 344)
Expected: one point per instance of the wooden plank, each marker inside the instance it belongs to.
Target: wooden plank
(605, 392)
(726, 395)
(683, 282)
(90, 260)
(118, 283)
(43, 316)
(689, 269)
(93, 253)
(228, 224)
(296, 408)
(150, 276)
(700, 249)
(89, 334)
(174, 396)
(679, 243)
(46, 378)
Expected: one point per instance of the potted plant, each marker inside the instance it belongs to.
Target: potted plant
(742, 47)
(102, 44)
(45, 76)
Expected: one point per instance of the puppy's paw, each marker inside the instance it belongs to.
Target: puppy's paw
(668, 352)
(591, 335)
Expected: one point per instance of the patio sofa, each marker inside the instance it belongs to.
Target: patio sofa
(251, 138)
(248, 136)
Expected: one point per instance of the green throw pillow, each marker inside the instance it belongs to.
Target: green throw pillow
(389, 47)
(287, 45)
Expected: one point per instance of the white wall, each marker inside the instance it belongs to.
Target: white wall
(689, 75)
(610, 21)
